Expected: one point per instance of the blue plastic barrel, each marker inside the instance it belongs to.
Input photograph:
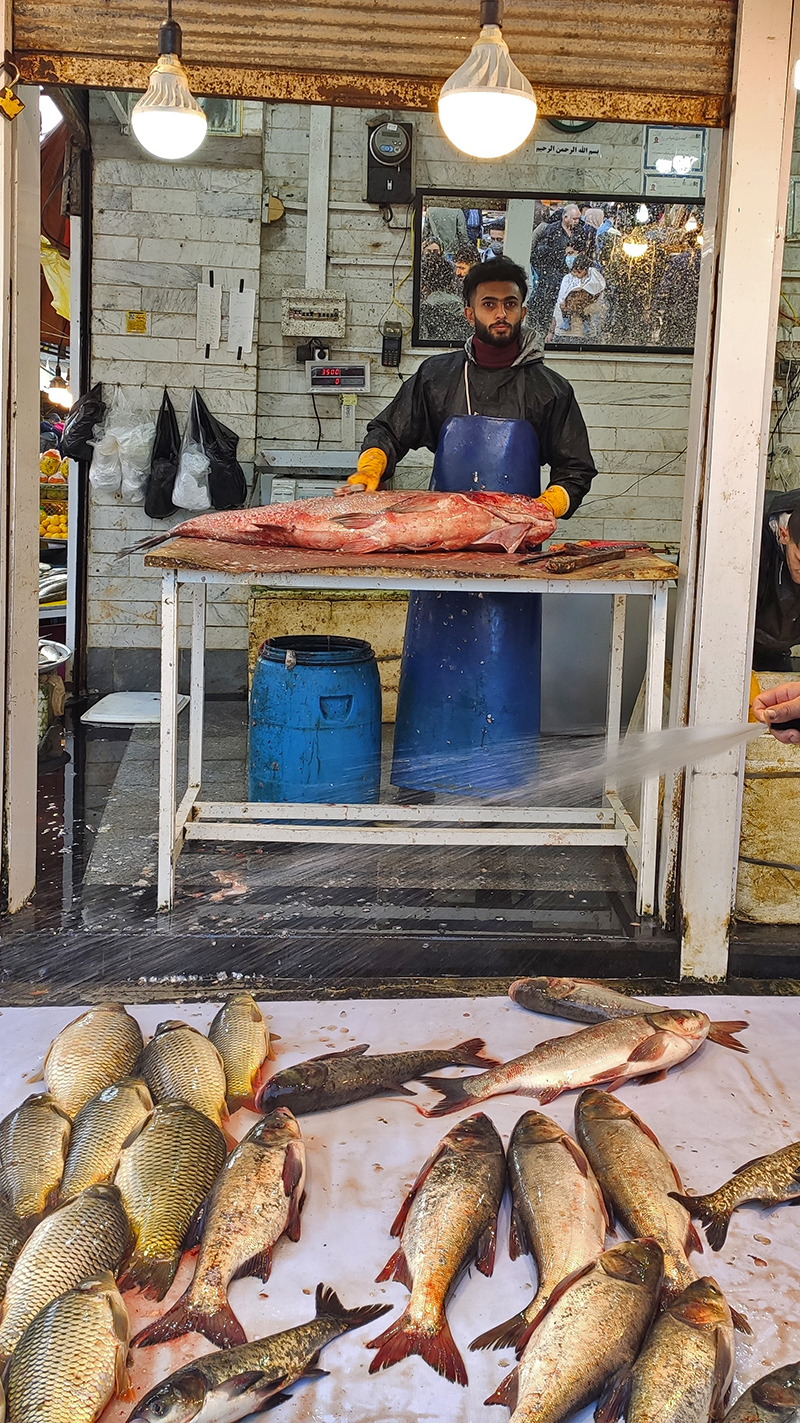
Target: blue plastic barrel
(315, 721)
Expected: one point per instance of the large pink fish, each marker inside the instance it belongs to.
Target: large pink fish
(380, 523)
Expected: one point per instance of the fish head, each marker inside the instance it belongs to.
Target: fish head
(684, 1022)
(595, 1105)
(243, 1002)
(639, 1262)
(473, 1134)
(170, 1025)
(104, 1286)
(280, 1122)
(534, 1128)
(779, 1392)
(293, 1083)
(102, 1191)
(702, 1304)
(178, 1399)
(549, 987)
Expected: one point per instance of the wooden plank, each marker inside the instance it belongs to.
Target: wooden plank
(206, 555)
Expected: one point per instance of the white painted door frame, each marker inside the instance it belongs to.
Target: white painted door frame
(20, 223)
(731, 461)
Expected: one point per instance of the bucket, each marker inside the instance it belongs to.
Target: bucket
(315, 722)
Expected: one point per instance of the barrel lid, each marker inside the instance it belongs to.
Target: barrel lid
(316, 651)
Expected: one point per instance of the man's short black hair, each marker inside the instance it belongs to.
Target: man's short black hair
(500, 269)
(794, 521)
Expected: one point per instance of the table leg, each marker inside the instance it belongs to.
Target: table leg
(169, 738)
(653, 715)
(197, 685)
(614, 717)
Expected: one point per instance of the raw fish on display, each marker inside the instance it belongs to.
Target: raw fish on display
(448, 1219)
(13, 1234)
(767, 1179)
(99, 1133)
(242, 1040)
(98, 1048)
(583, 1001)
(775, 1398)
(179, 1064)
(34, 1139)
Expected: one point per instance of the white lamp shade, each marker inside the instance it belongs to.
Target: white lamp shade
(487, 108)
(167, 120)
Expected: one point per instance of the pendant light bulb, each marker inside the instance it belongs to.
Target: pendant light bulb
(634, 249)
(167, 120)
(59, 392)
(643, 213)
(487, 107)
(691, 223)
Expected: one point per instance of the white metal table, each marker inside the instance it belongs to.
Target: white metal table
(469, 823)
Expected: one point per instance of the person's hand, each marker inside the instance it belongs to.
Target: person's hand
(370, 467)
(556, 500)
(777, 705)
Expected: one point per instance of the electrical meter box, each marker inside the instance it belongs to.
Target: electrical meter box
(313, 313)
(390, 153)
(330, 378)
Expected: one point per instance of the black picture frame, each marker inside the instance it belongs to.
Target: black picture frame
(422, 198)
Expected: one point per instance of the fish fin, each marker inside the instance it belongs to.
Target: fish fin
(356, 521)
(293, 1224)
(694, 1243)
(312, 1372)
(715, 1219)
(403, 1339)
(411, 503)
(723, 1375)
(658, 1076)
(39, 1076)
(608, 1209)
(240, 1383)
(221, 1327)
(578, 1156)
(196, 1225)
(507, 1392)
(614, 1084)
(518, 1242)
(396, 1268)
(292, 1168)
(400, 1219)
(329, 1304)
(487, 1245)
(549, 1094)
(454, 1093)
(274, 1401)
(651, 1049)
(398, 1090)
(359, 1050)
(613, 1401)
(740, 1321)
(560, 1289)
(153, 1275)
(509, 538)
(754, 1162)
(722, 1033)
(258, 1267)
(472, 1054)
(231, 1141)
(503, 1336)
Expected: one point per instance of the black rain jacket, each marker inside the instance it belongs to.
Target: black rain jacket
(528, 390)
(778, 598)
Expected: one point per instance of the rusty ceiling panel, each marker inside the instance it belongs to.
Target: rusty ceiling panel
(594, 58)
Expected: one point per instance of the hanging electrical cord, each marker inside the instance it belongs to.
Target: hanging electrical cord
(398, 286)
(606, 498)
(319, 422)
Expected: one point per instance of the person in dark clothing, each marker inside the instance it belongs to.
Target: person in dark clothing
(778, 597)
(560, 241)
(675, 301)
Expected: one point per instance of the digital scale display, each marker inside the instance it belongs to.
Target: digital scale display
(323, 376)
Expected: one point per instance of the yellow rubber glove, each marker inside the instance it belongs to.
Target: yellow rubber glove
(369, 469)
(755, 690)
(556, 499)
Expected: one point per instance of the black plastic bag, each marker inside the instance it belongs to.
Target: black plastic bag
(87, 412)
(226, 480)
(164, 463)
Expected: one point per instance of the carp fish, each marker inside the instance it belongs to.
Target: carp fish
(256, 1199)
(611, 1052)
(768, 1179)
(775, 1398)
(337, 1078)
(591, 1329)
(33, 1148)
(242, 1040)
(235, 1383)
(558, 1215)
(448, 1219)
(99, 1133)
(179, 1064)
(584, 1001)
(96, 1049)
(13, 1234)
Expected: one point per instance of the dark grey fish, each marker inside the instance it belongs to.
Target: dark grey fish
(249, 1379)
(768, 1179)
(336, 1078)
(775, 1398)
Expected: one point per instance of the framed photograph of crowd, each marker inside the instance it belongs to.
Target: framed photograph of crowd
(604, 273)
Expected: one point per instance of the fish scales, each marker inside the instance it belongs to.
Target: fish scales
(613, 1052)
(257, 1196)
(558, 1214)
(96, 1049)
(591, 1330)
(685, 1369)
(775, 1398)
(72, 1357)
(235, 1383)
(637, 1178)
(337, 1078)
(13, 1234)
(242, 1040)
(82, 1238)
(34, 1139)
(179, 1064)
(165, 1173)
(99, 1133)
(584, 1001)
(448, 1219)
(770, 1180)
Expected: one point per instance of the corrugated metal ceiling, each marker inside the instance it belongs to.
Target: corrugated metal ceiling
(595, 58)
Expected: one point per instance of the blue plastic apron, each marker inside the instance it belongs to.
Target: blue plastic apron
(468, 702)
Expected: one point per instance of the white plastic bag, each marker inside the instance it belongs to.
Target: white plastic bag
(122, 453)
(191, 489)
(105, 471)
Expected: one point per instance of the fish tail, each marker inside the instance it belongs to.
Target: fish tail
(454, 1093)
(152, 1274)
(143, 544)
(715, 1217)
(220, 1325)
(722, 1033)
(329, 1304)
(404, 1338)
(471, 1054)
(504, 1336)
